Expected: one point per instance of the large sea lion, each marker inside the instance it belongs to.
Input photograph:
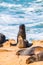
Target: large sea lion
(2, 39)
(35, 58)
(21, 38)
(30, 51)
(21, 32)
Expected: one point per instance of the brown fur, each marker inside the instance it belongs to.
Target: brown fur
(21, 43)
(21, 32)
(21, 38)
(31, 51)
(35, 58)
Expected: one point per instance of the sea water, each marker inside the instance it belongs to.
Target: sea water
(16, 12)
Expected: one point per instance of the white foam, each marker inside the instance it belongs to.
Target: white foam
(9, 5)
(30, 18)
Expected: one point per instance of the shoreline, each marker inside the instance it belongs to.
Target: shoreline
(8, 54)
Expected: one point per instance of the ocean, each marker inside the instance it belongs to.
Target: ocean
(16, 12)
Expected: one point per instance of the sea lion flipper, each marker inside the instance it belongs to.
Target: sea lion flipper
(30, 60)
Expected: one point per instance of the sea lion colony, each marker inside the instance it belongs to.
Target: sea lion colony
(21, 38)
(34, 56)
(23, 43)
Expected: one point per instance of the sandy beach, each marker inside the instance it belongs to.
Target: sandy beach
(8, 54)
(21, 32)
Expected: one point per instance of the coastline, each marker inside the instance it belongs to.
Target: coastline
(8, 54)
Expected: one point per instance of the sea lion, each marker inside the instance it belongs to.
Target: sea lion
(40, 56)
(30, 51)
(23, 43)
(35, 58)
(2, 39)
(21, 38)
(21, 32)
(27, 43)
(30, 60)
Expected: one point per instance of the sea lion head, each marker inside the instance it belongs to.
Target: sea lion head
(22, 26)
